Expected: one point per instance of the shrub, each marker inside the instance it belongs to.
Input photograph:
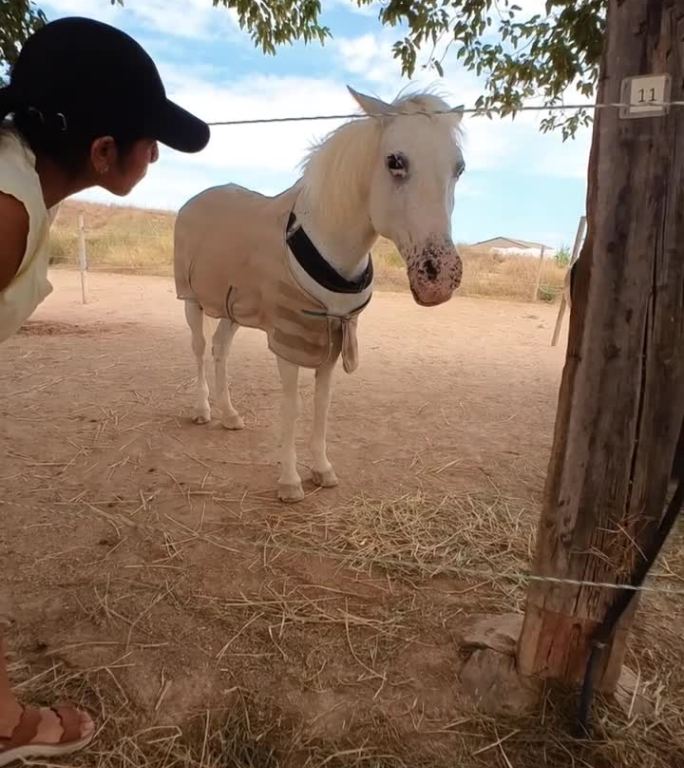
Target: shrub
(563, 256)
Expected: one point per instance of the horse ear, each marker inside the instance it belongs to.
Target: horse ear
(369, 104)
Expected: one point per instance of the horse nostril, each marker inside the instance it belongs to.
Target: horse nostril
(431, 270)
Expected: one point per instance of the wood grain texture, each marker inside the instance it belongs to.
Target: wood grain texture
(621, 401)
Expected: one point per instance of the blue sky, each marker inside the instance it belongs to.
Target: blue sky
(518, 183)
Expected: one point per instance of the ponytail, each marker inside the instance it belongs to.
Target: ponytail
(50, 133)
(8, 102)
(44, 132)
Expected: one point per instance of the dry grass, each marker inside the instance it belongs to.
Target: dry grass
(412, 542)
(135, 240)
(486, 274)
(483, 540)
(342, 601)
(118, 238)
(256, 734)
(239, 736)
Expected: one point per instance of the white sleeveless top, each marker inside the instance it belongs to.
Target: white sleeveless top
(30, 286)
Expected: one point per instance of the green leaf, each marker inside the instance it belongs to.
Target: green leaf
(19, 19)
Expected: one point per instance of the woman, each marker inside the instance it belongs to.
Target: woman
(85, 107)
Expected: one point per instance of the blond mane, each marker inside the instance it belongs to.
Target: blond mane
(336, 171)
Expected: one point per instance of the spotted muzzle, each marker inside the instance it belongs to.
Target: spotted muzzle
(434, 273)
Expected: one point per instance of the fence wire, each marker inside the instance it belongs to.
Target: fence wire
(477, 111)
(473, 573)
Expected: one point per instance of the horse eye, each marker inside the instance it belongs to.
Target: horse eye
(460, 167)
(397, 165)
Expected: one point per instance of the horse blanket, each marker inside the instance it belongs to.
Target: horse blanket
(236, 253)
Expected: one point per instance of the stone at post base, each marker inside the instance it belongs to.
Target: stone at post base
(490, 677)
(491, 680)
(489, 674)
(630, 695)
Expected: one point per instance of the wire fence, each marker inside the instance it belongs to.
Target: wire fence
(651, 104)
(503, 575)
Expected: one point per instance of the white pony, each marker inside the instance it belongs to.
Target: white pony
(297, 265)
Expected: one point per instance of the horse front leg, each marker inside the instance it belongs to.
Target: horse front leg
(323, 473)
(290, 483)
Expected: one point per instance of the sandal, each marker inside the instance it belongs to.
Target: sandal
(77, 732)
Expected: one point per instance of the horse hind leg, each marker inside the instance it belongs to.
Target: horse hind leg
(220, 347)
(195, 319)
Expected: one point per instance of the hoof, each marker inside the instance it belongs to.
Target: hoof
(290, 494)
(201, 418)
(327, 479)
(233, 421)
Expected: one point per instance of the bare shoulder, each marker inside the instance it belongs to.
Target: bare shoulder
(14, 228)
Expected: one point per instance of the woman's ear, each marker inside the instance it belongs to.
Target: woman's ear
(103, 155)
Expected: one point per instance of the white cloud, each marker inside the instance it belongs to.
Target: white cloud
(264, 157)
(280, 147)
(568, 160)
(373, 9)
(170, 183)
(277, 147)
(194, 19)
(102, 11)
(186, 18)
(369, 56)
(506, 143)
(369, 60)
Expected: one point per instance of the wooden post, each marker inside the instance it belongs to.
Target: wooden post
(82, 259)
(621, 400)
(537, 282)
(579, 237)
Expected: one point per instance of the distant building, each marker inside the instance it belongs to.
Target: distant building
(508, 246)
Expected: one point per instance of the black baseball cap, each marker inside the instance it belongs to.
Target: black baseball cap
(97, 79)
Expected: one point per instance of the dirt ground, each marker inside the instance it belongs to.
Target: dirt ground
(149, 571)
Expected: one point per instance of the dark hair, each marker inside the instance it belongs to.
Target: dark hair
(50, 135)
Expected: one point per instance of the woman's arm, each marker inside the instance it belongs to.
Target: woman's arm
(14, 227)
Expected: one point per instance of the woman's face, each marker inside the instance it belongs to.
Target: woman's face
(119, 173)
